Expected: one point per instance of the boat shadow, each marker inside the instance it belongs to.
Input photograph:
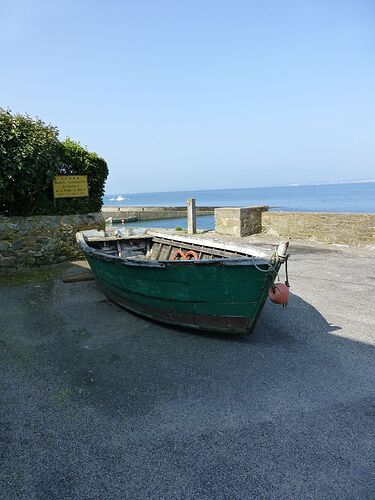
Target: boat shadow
(124, 361)
(274, 325)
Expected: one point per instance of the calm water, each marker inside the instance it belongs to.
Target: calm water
(351, 197)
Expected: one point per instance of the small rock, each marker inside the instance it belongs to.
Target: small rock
(8, 261)
(4, 246)
(18, 244)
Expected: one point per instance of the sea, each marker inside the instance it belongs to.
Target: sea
(354, 197)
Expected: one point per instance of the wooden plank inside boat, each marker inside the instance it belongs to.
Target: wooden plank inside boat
(166, 250)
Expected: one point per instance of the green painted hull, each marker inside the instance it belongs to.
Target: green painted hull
(217, 296)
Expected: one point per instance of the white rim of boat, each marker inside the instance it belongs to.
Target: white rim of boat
(257, 258)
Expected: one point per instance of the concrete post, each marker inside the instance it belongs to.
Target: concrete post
(191, 216)
(239, 221)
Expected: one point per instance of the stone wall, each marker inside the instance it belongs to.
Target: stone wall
(151, 213)
(348, 229)
(241, 221)
(43, 239)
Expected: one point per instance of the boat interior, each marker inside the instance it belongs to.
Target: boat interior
(162, 248)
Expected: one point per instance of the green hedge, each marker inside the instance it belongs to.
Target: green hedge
(31, 155)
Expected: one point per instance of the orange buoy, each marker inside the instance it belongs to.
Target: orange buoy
(179, 255)
(279, 293)
(190, 255)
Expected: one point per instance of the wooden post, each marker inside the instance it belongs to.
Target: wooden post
(191, 216)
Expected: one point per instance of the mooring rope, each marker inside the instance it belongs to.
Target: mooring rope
(282, 258)
(286, 273)
(270, 266)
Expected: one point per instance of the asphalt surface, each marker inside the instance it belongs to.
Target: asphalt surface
(96, 402)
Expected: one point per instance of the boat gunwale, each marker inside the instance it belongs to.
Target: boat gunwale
(237, 261)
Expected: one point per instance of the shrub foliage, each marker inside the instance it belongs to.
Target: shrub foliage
(31, 155)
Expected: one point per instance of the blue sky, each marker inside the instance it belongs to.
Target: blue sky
(202, 94)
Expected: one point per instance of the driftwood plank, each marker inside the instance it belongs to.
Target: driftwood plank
(77, 277)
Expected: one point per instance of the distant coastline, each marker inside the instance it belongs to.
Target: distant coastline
(331, 183)
(352, 196)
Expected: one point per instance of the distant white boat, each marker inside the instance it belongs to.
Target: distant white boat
(112, 199)
(120, 198)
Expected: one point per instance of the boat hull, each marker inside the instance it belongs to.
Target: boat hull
(223, 296)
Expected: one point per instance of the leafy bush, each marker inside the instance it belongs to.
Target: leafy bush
(31, 156)
(29, 159)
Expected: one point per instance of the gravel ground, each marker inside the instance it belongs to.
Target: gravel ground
(98, 403)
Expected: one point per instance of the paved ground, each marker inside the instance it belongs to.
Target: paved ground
(99, 403)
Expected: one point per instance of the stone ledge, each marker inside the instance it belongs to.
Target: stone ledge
(239, 221)
(42, 239)
(326, 227)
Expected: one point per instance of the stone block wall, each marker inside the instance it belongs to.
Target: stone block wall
(241, 221)
(43, 239)
(326, 227)
(151, 213)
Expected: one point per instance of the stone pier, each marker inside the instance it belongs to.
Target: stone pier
(42, 239)
(239, 221)
(326, 227)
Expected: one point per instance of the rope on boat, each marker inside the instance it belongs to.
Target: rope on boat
(275, 257)
(270, 267)
(279, 256)
(282, 257)
(286, 273)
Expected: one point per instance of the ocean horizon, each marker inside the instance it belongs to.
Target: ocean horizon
(355, 196)
(351, 197)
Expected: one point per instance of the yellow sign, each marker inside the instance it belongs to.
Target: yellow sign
(70, 186)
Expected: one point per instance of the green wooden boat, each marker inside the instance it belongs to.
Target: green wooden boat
(222, 288)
